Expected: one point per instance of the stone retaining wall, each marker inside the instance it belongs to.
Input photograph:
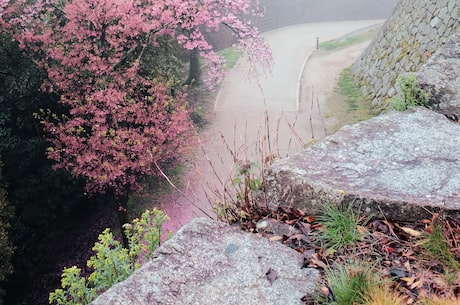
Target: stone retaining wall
(415, 31)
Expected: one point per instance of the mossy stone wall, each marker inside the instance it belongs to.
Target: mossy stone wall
(414, 31)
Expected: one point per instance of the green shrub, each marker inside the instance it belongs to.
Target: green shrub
(409, 95)
(112, 263)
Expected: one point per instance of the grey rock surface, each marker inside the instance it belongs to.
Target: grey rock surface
(440, 77)
(403, 164)
(208, 263)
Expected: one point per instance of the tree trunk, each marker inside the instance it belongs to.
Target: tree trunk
(122, 213)
(195, 69)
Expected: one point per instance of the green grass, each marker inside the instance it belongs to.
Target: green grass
(356, 103)
(348, 89)
(342, 43)
(350, 283)
(438, 248)
(231, 56)
(341, 226)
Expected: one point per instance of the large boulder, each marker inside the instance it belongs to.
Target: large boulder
(402, 164)
(440, 77)
(208, 263)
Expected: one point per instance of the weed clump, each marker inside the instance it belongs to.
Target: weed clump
(437, 246)
(349, 284)
(342, 226)
(409, 95)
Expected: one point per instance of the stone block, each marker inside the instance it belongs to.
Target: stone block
(440, 77)
(208, 263)
(403, 164)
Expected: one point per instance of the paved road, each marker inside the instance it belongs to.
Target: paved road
(240, 121)
(290, 46)
(240, 106)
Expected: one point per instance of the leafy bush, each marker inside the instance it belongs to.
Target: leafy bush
(112, 263)
(409, 95)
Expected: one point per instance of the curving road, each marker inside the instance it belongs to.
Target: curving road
(241, 101)
(245, 109)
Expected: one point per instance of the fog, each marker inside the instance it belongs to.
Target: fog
(286, 12)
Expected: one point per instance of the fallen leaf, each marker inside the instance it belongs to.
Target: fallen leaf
(417, 285)
(276, 238)
(409, 280)
(300, 250)
(327, 293)
(272, 275)
(411, 232)
(388, 250)
(297, 212)
(408, 266)
(379, 225)
(308, 253)
(304, 228)
(262, 224)
(422, 242)
(315, 260)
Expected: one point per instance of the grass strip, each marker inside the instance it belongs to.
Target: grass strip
(348, 41)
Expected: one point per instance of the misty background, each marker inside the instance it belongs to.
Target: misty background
(281, 13)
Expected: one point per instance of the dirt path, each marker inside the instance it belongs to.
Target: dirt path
(319, 83)
(244, 110)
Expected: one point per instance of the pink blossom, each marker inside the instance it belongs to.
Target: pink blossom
(120, 123)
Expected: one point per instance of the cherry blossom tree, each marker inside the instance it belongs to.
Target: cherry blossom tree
(120, 122)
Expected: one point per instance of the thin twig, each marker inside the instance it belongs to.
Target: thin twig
(179, 191)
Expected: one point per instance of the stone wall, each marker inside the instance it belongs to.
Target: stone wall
(415, 31)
